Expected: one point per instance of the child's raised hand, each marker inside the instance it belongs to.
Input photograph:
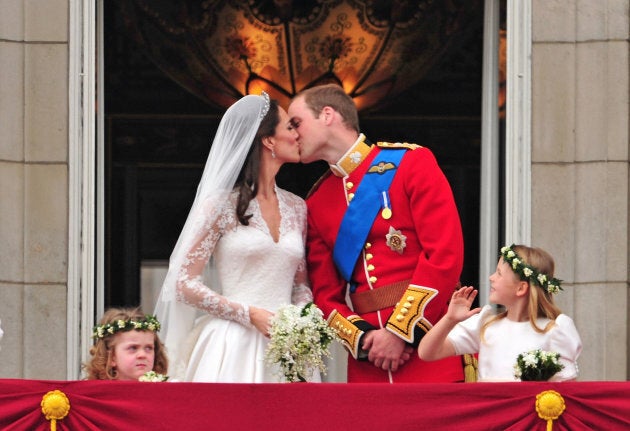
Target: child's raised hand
(461, 301)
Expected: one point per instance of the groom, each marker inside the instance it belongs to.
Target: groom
(384, 246)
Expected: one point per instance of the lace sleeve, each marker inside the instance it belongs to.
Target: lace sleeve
(190, 287)
(301, 294)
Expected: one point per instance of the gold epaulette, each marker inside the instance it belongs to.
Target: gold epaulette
(409, 312)
(406, 145)
(348, 333)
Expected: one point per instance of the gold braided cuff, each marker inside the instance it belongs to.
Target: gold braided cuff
(348, 333)
(409, 312)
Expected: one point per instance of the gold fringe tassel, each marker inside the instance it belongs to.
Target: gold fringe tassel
(470, 368)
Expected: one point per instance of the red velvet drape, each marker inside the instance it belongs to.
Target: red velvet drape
(99, 405)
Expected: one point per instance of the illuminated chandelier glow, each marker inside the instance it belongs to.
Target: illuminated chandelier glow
(221, 50)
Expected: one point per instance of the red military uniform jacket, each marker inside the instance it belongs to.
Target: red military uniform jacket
(420, 247)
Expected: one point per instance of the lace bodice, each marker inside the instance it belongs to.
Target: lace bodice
(251, 268)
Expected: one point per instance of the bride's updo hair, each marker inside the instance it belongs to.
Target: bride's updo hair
(247, 184)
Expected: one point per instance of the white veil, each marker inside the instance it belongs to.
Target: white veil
(228, 152)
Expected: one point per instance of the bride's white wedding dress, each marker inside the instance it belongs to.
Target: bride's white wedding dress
(252, 270)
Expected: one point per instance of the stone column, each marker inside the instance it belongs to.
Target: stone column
(580, 123)
(34, 187)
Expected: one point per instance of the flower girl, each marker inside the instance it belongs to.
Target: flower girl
(531, 330)
(127, 347)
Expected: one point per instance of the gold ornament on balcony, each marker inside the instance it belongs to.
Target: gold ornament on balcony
(55, 407)
(549, 406)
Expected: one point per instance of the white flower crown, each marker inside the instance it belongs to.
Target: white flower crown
(530, 273)
(149, 323)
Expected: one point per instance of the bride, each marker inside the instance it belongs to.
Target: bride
(240, 255)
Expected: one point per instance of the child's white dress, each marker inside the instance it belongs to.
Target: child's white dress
(505, 339)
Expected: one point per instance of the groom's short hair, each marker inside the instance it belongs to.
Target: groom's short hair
(332, 95)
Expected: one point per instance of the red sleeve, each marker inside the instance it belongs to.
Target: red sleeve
(438, 228)
(328, 286)
(440, 250)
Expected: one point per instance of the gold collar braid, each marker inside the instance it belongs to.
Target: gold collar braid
(353, 158)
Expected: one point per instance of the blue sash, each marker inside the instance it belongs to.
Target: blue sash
(362, 210)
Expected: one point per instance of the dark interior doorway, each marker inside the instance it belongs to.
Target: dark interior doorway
(157, 137)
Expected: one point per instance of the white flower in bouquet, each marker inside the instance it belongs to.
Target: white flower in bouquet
(299, 339)
(537, 365)
(152, 376)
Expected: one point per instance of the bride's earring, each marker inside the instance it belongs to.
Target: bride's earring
(267, 143)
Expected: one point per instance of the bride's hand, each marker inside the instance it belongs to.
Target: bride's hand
(261, 319)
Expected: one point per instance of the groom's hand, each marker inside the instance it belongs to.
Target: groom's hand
(386, 350)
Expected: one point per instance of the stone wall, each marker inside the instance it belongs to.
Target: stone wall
(34, 187)
(580, 123)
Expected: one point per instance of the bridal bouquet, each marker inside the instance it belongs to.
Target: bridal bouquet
(152, 376)
(300, 338)
(537, 365)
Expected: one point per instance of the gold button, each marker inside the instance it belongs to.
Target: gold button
(404, 311)
(368, 245)
(400, 317)
(349, 185)
(373, 279)
(407, 305)
(410, 298)
(350, 196)
(369, 256)
(370, 268)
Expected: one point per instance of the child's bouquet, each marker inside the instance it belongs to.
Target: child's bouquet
(152, 376)
(300, 338)
(537, 365)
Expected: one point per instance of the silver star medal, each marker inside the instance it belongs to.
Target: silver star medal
(396, 240)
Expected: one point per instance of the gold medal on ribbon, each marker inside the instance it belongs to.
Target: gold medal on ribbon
(386, 213)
